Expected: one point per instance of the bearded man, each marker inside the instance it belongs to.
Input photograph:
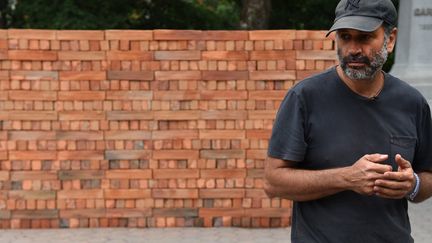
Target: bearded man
(352, 145)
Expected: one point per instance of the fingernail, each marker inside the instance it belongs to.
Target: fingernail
(383, 156)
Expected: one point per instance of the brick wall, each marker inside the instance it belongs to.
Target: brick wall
(144, 128)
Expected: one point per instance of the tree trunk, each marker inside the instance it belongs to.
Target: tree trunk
(255, 14)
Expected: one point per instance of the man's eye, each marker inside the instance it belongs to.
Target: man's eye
(365, 38)
(345, 37)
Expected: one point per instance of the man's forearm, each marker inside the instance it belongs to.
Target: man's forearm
(304, 185)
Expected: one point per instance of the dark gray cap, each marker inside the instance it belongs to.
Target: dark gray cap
(364, 15)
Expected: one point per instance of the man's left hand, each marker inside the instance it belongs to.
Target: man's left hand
(396, 184)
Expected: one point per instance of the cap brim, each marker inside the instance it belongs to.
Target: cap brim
(361, 23)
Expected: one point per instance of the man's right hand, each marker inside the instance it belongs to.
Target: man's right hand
(361, 176)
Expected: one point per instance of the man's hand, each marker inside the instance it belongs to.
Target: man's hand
(397, 184)
(363, 174)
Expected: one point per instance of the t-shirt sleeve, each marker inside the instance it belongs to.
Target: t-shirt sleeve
(287, 141)
(423, 156)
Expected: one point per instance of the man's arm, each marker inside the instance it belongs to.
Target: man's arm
(284, 180)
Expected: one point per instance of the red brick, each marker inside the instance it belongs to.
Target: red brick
(177, 55)
(4, 75)
(33, 175)
(81, 115)
(222, 154)
(32, 155)
(304, 74)
(262, 115)
(127, 193)
(316, 55)
(129, 55)
(223, 95)
(225, 55)
(32, 95)
(35, 214)
(5, 214)
(4, 55)
(127, 154)
(273, 55)
(177, 95)
(176, 115)
(31, 135)
(177, 75)
(128, 213)
(223, 115)
(31, 34)
(81, 174)
(80, 155)
(80, 35)
(255, 193)
(129, 95)
(175, 193)
(82, 75)
(256, 154)
(29, 195)
(31, 115)
(4, 95)
(25, 55)
(310, 35)
(4, 34)
(221, 134)
(61, 135)
(223, 173)
(272, 34)
(258, 134)
(4, 175)
(272, 75)
(175, 173)
(83, 213)
(268, 212)
(82, 55)
(80, 194)
(177, 34)
(130, 174)
(175, 154)
(221, 193)
(130, 75)
(175, 134)
(129, 34)
(267, 95)
(220, 212)
(81, 95)
(218, 35)
(34, 75)
(255, 173)
(128, 135)
(129, 115)
(175, 212)
(225, 75)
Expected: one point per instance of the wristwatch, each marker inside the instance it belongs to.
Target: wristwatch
(410, 196)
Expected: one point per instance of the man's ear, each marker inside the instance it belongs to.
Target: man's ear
(391, 42)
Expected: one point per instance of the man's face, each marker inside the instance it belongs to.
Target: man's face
(361, 54)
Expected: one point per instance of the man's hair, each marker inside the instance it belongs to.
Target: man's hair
(387, 29)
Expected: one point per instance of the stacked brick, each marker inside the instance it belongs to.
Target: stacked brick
(158, 128)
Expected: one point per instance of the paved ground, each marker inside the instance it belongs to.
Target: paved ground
(421, 220)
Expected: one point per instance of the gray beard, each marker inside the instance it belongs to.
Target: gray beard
(369, 71)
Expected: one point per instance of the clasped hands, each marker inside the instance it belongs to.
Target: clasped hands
(370, 176)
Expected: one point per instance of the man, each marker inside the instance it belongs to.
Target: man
(351, 145)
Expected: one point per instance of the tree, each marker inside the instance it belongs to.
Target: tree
(255, 14)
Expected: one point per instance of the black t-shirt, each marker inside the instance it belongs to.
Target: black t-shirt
(323, 124)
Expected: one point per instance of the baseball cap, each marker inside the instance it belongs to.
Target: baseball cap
(363, 15)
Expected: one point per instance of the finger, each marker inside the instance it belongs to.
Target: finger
(388, 193)
(394, 185)
(376, 157)
(403, 163)
(379, 168)
(398, 175)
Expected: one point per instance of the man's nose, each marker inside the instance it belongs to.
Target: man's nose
(354, 48)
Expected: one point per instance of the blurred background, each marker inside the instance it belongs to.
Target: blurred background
(170, 14)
